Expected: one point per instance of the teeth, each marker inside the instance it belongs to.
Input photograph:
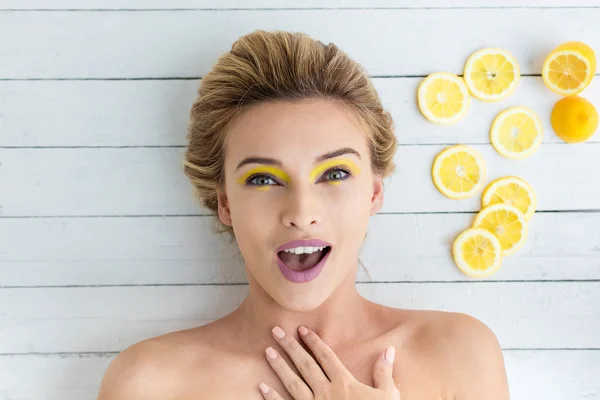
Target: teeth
(304, 249)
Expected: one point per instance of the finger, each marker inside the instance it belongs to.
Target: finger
(308, 367)
(292, 382)
(383, 369)
(329, 361)
(269, 393)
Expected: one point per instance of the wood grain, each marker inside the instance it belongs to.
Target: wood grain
(183, 44)
(183, 250)
(77, 376)
(100, 319)
(102, 243)
(150, 181)
(155, 112)
(283, 4)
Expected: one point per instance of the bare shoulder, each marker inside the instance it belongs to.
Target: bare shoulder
(468, 354)
(155, 368)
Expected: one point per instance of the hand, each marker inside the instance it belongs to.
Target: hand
(334, 381)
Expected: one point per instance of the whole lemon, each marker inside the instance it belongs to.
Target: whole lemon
(574, 119)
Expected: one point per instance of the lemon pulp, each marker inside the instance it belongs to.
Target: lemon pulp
(513, 191)
(491, 74)
(506, 222)
(516, 133)
(443, 98)
(458, 171)
(477, 252)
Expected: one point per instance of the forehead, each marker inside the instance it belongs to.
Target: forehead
(296, 128)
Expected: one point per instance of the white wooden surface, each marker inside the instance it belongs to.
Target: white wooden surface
(102, 244)
(277, 4)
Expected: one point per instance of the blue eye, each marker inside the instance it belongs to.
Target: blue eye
(338, 170)
(256, 179)
(259, 177)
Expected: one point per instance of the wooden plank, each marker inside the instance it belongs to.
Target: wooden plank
(149, 181)
(83, 319)
(156, 112)
(52, 377)
(282, 4)
(574, 375)
(184, 250)
(95, 113)
(121, 44)
(553, 375)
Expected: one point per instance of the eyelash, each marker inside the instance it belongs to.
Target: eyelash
(335, 169)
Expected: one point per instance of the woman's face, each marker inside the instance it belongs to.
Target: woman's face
(298, 195)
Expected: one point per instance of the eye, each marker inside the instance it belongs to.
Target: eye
(333, 174)
(341, 172)
(260, 179)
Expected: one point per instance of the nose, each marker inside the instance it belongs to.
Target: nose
(302, 209)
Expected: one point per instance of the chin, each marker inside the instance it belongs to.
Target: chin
(301, 303)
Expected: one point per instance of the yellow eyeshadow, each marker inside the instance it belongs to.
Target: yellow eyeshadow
(264, 169)
(332, 163)
(317, 171)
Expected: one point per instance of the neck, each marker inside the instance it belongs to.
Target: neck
(341, 321)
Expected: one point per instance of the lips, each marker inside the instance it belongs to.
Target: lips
(298, 243)
(300, 276)
(305, 275)
(301, 262)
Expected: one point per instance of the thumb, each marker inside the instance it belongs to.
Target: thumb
(382, 371)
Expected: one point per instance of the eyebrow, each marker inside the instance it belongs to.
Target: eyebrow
(273, 161)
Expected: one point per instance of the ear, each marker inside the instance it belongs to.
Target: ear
(223, 207)
(377, 199)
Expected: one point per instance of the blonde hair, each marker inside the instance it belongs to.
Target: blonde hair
(270, 66)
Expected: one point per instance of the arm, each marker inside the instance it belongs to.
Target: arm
(134, 374)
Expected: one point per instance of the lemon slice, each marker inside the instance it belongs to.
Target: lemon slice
(516, 133)
(458, 171)
(513, 191)
(477, 252)
(491, 74)
(569, 68)
(443, 98)
(506, 222)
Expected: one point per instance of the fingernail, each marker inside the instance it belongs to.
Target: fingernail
(303, 331)
(390, 354)
(278, 332)
(271, 353)
(264, 388)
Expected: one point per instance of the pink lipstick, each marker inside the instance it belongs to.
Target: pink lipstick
(307, 274)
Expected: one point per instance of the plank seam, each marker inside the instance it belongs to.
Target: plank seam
(193, 78)
(574, 211)
(296, 9)
(246, 284)
(183, 146)
(114, 353)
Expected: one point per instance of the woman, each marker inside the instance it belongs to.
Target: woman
(288, 145)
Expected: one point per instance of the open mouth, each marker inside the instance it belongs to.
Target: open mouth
(302, 262)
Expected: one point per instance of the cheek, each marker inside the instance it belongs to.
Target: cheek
(250, 211)
(353, 204)
(354, 194)
(245, 201)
